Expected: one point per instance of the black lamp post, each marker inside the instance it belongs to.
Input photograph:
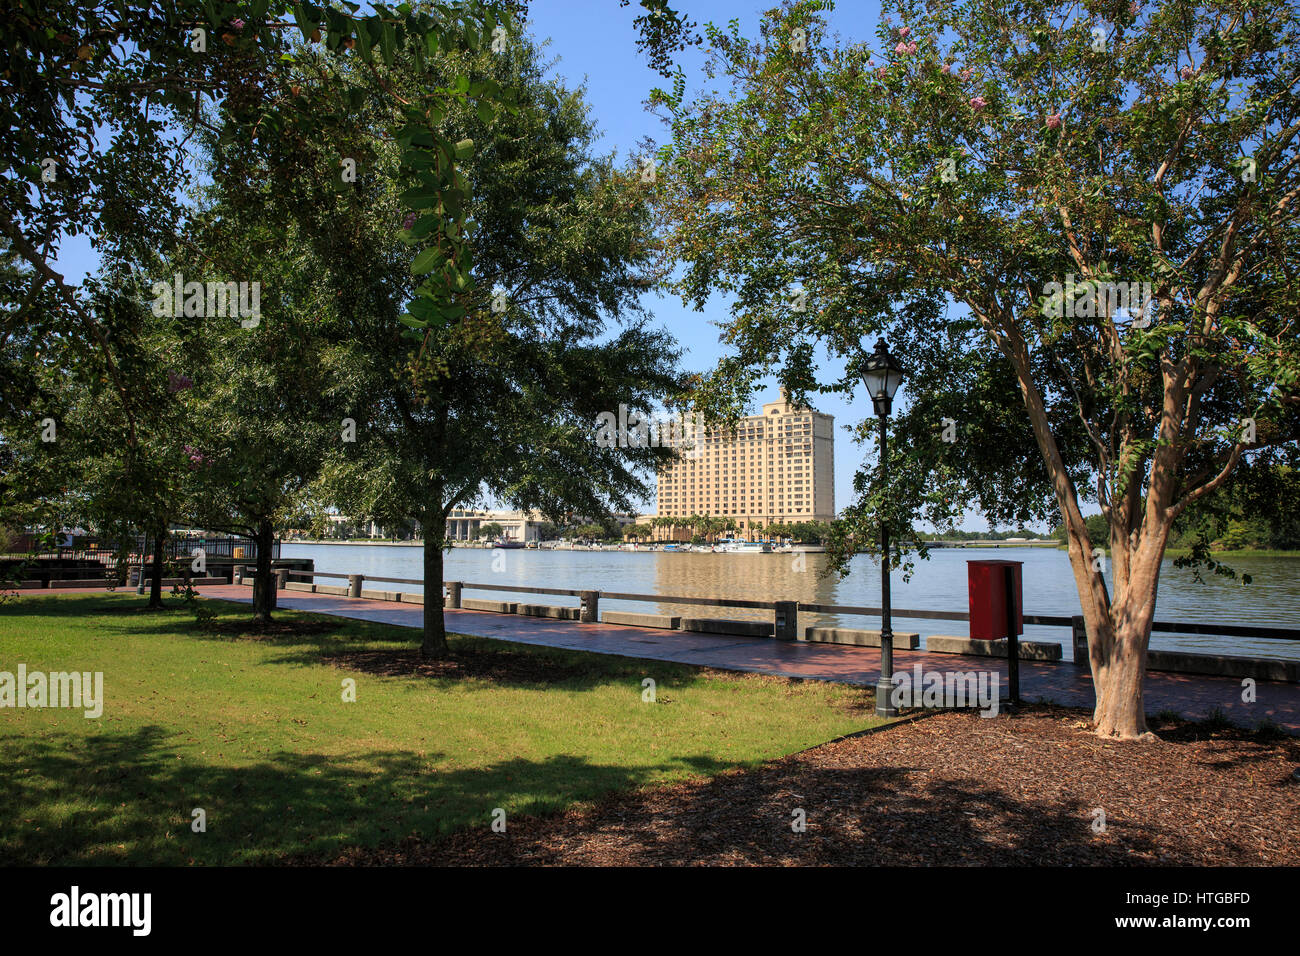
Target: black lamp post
(882, 376)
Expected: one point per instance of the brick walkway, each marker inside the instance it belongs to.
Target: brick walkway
(1064, 683)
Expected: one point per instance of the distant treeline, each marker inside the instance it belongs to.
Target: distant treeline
(986, 535)
(1229, 519)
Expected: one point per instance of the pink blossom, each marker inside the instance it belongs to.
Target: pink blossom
(978, 103)
(901, 48)
(409, 221)
(947, 68)
(881, 72)
(904, 31)
(1054, 121)
(965, 74)
(237, 23)
(911, 47)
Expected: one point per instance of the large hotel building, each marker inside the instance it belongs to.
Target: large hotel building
(775, 468)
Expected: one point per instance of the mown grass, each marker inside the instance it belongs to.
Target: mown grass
(254, 731)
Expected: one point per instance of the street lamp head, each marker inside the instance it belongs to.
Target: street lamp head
(882, 375)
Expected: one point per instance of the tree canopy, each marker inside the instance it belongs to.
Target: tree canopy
(1086, 211)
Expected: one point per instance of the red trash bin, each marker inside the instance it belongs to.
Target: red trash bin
(986, 585)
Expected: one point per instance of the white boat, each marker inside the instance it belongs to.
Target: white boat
(737, 546)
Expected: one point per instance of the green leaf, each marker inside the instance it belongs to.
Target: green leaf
(418, 198)
(422, 308)
(465, 149)
(304, 22)
(411, 321)
(425, 262)
(388, 43)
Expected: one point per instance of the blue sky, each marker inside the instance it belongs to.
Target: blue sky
(594, 41)
(594, 44)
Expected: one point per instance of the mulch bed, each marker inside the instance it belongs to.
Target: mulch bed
(490, 665)
(949, 789)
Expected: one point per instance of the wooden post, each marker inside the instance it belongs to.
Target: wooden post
(1080, 629)
(354, 585)
(590, 607)
(281, 578)
(453, 594)
(787, 621)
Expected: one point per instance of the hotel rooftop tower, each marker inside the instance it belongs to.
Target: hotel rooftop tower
(777, 467)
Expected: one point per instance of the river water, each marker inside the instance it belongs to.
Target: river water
(939, 584)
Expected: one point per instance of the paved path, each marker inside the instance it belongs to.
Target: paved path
(1064, 683)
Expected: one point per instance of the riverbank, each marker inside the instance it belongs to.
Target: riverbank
(375, 542)
(1226, 556)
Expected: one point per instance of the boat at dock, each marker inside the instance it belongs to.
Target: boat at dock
(740, 546)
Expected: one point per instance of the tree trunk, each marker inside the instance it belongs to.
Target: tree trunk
(435, 627)
(263, 581)
(155, 586)
(1120, 710)
(1118, 629)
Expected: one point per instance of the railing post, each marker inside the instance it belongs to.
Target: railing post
(590, 611)
(354, 585)
(787, 621)
(236, 574)
(281, 578)
(1080, 629)
(453, 594)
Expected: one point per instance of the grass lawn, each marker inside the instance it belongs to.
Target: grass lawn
(253, 729)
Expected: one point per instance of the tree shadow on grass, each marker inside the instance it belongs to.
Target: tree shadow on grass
(384, 651)
(128, 799)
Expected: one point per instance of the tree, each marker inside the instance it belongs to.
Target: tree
(498, 397)
(266, 412)
(113, 462)
(998, 193)
(137, 74)
(490, 530)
